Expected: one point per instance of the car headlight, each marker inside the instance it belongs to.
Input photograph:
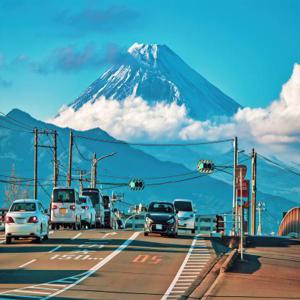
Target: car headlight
(171, 221)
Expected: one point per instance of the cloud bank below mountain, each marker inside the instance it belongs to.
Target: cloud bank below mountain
(134, 119)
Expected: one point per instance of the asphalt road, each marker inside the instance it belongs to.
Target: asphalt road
(101, 264)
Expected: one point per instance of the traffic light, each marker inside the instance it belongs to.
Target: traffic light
(205, 166)
(136, 184)
(220, 226)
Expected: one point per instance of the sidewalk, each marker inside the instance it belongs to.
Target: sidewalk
(270, 270)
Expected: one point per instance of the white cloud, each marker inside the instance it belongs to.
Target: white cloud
(277, 125)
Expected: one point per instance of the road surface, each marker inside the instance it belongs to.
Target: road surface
(101, 264)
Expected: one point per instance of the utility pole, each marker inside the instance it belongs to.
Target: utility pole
(35, 176)
(260, 208)
(94, 171)
(242, 217)
(253, 193)
(69, 178)
(81, 173)
(55, 165)
(234, 197)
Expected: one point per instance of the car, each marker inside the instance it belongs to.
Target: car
(65, 208)
(161, 218)
(88, 216)
(26, 218)
(186, 214)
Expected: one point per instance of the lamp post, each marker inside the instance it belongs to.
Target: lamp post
(95, 160)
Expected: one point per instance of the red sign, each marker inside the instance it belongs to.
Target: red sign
(245, 189)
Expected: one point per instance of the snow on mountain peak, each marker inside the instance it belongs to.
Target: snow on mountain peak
(145, 52)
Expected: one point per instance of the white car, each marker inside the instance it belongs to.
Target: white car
(26, 218)
(88, 216)
(65, 208)
(186, 214)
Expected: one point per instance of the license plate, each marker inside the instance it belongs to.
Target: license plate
(159, 227)
(63, 211)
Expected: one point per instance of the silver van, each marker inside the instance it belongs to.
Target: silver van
(65, 208)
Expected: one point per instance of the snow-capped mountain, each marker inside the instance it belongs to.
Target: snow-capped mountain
(156, 74)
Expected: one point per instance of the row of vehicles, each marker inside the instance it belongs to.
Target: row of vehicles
(166, 218)
(27, 218)
(69, 209)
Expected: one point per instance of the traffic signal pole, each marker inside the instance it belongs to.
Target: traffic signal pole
(35, 176)
(69, 178)
(253, 193)
(242, 217)
(234, 196)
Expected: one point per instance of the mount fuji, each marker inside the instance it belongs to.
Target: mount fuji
(156, 74)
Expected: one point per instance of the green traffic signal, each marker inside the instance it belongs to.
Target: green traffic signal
(136, 184)
(205, 166)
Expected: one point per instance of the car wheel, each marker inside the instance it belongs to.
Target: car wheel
(38, 239)
(8, 240)
(146, 233)
(53, 226)
(193, 230)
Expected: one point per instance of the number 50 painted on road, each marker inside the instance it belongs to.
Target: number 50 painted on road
(150, 259)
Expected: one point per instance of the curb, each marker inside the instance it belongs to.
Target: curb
(229, 261)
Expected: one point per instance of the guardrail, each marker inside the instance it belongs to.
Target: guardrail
(205, 224)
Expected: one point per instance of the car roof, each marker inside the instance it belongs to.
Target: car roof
(183, 200)
(26, 201)
(161, 202)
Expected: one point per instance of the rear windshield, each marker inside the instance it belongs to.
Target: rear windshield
(161, 207)
(21, 207)
(64, 196)
(183, 205)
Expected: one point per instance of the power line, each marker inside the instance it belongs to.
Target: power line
(278, 165)
(79, 152)
(152, 144)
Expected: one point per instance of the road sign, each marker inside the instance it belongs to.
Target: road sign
(241, 170)
(245, 189)
(205, 166)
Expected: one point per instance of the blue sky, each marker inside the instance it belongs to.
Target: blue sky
(50, 51)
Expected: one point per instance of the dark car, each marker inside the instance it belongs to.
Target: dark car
(161, 218)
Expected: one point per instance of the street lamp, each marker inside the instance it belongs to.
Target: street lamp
(94, 167)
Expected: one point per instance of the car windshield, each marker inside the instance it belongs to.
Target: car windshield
(64, 196)
(21, 207)
(161, 207)
(82, 200)
(94, 196)
(183, 206)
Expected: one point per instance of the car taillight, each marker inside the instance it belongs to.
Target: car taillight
(73, 207)
(54, 206)
(9, 220)
(33, 219)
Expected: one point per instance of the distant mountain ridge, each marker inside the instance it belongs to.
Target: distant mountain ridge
(155, 73)
(209, 194)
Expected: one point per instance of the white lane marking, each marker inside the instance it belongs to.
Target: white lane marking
(32, 292)
(54, 249)
(76, 236)
(169, 290)
(26, 264)
(195, 260)
(69, 282)
(99, 265)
